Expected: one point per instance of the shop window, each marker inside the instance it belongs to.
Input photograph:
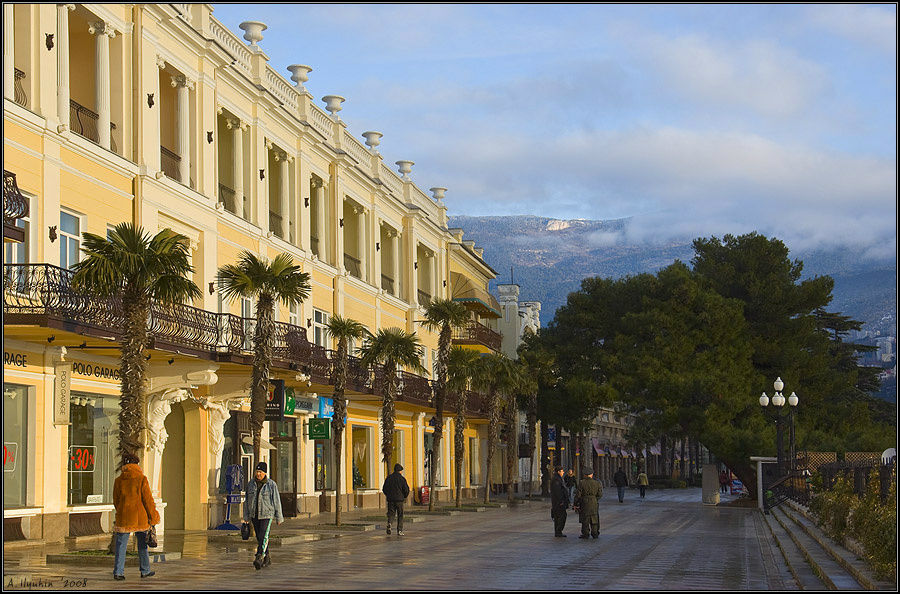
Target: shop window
(362, 458)
(429, 456)
(93, 446)
(69, 239)
(15, 436)
(474, 461)
(323, 465)
(397, 453)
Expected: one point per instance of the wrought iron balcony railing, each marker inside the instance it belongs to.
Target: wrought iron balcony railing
(475, 332)
(387, 283)
(353, 265)
(83, 122)
(169, 163)
(15, 206)
(42, 294)
(424, 298)
(20, 97)
(226, 198)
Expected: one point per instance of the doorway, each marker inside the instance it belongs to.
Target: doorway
(284, 464)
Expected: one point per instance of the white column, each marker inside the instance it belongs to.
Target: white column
(320, 222)
(103, 32)
(283, 197)
(361, 242)
(9, 52)
(183, 126)
(62, 64)
(238, 156)
(395, 257)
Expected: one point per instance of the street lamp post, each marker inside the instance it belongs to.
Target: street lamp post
(779, 400)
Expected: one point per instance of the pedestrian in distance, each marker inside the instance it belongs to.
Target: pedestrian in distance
(559, 502)
(643, 482)
(570, 484)
(262, 506)
(395, 490)
(587, 502)
(621, 482)
(135, 512)
(723, 482)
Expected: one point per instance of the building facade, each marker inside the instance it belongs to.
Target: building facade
(157, 114)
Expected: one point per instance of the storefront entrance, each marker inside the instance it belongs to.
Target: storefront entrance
(284, 463)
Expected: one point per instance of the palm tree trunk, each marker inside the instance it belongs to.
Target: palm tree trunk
(337, 423)
(493, 425)
(512, 446)
(459, 444)
(440, 394)
(262, 361)
(387, 415)
(546, 462)
(133, 376)
(531, 420)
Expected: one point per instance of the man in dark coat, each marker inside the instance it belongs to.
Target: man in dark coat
(559, 502)
(621, 482)
(587, 501)
(395, 490)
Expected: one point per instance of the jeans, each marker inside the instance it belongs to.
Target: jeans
(395, 507)
(261, 530)
(121, 547)
(621, 491)
(643, 492)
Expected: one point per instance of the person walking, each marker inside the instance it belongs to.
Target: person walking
(621, 482)
(262, 505)
(559, 502)
(723, 482)
(135, 512)
(643, 482)
(395, 490)
(587, 502)
(570, 484)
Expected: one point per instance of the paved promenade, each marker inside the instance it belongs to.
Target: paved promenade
(670, 541)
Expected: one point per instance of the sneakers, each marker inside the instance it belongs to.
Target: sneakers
(266, 561)
(389, 530)
(400, 533)
(145, 575)
(257, 563)
(119, 577)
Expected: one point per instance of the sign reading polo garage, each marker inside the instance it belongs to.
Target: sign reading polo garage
(95, 370)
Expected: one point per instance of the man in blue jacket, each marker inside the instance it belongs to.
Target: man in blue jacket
(261, 506)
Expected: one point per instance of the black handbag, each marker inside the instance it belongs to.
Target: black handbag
(245, 530)
(152, 542)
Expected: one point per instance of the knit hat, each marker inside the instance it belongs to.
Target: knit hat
(262, 466)
(586, 471)
(397, 468)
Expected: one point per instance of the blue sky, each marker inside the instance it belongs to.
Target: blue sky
(691, 119)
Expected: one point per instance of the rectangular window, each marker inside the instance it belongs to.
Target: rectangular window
(362, 457)
(15, 252)
(93, 442)
(295, 314)
(323, 465)
(320, 333)
(69, 239)
(15, 439)
(474, 461)
(249, 322)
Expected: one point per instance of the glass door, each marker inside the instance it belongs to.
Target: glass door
(284, 464)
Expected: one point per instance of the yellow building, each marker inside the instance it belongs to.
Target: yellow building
(159, 115)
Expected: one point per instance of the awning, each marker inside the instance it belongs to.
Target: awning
(464, 290)
(654, 450)
(597, 447)
(262, 443)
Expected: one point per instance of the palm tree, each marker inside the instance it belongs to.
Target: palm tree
(524, 386)
(269, 282)
(539, 363)
(460, 366)
(443, 315)
(140, 270)
(344, 330)
(493, 375)
(392, 348)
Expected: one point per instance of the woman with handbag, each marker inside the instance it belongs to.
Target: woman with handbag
(135, 512)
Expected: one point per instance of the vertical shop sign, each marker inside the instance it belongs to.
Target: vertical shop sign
(61, 393)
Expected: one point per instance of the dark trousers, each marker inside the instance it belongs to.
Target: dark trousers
(590, 525)
(643, 491)
(621, 493)
(261, 529)
(559, 520)
(395, 507)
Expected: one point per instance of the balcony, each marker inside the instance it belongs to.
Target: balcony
(353, 266)
(476, 333)
(169, 163)
(275, 224)
(314, 245)
(83, 122)
(226, 199)
(387, 283)
(15, 207)
(20, 97)
(424, 298)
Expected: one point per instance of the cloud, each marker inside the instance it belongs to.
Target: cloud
(873, 26)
